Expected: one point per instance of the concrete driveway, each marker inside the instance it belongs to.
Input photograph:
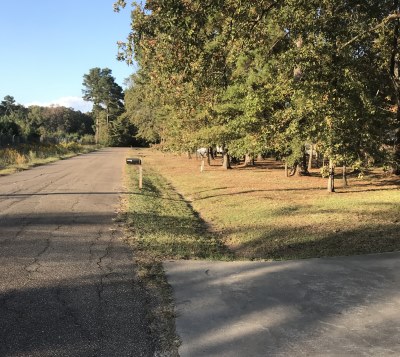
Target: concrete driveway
(347, 306)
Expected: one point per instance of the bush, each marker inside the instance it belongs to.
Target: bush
(88, 140)
(71, 147)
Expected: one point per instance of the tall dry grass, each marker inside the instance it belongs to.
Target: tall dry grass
(26, 155)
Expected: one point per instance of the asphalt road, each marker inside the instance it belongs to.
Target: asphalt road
(66, 277)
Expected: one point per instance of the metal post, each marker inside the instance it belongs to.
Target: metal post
(140, 177)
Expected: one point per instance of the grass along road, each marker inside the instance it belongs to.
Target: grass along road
(256, 212)
(164, 223)
(25, 156)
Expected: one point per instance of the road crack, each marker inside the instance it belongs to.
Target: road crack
(104, 275)
(35, 265)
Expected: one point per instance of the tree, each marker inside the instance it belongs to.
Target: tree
(336, 96)
(7, 105)
(386, 42)
(188, 53)
(101, 89)
(268, 75)
(9, 127)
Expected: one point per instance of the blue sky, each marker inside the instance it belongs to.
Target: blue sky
(48, 45)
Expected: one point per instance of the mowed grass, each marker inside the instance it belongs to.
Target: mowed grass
(258, 213)
(163, 223)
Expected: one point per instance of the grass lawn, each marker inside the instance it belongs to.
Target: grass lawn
(164, 224)
(258, 213)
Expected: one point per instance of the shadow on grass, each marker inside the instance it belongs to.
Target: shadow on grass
(340, 190)
(184, 237)
(301, 242)
(244, 192)
(175, 237)
(167, 226)
(175, 230)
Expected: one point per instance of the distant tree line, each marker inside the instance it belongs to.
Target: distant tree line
(37, 123)
(268, 76)
(107, 123)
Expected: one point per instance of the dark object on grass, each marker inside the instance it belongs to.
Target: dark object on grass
(134, 161)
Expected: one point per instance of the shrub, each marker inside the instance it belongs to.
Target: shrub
(88, 140)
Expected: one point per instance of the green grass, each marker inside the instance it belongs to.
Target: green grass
(164, 224)
(257, 213)
(309, 226)
(253, 213)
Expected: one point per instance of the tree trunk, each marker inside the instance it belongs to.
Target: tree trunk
(286, 169)
(248, 160)
(304, 166)
(310, 157)
(209, 156)
(226, 164)
(189, 155)
(97, 130)
(107, 116)
(293, 170)
(298, 170)
(345, 183)
(395, 76)
(331, 179)
(259, 157)
(211, 153)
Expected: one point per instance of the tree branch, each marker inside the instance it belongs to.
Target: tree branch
(387, 19)
(277, 41)
(263, 13)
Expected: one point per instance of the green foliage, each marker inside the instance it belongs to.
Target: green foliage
(51, 120)
(107, 97)
(88, 139)
(8, 126)
(30, 124)
(295, 153)
(123, 132)
(101, 89)
(265, 75)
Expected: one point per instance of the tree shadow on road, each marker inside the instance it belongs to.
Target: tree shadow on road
(300, 308)
(84, 315)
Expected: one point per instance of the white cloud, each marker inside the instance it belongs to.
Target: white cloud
(76, 103)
